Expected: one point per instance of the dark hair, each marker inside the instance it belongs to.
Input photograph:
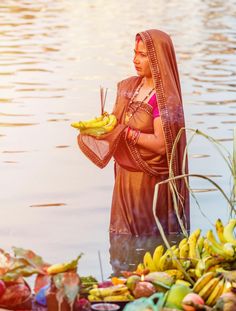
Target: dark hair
(138, 38)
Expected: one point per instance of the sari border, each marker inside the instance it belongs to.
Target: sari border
(161, 102)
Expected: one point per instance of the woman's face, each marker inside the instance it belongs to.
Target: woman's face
(141, 61)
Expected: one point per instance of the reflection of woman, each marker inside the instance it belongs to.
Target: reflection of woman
(150, 114)
(127, 251)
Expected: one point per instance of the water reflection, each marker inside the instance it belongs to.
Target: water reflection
(127, 251)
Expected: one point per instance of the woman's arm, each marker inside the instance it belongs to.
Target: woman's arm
(154, 142)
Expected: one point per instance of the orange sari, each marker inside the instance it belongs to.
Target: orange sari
(137, 170)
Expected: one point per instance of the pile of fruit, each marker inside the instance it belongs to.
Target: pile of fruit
(205, 264)
(97, 126)
(197, 274)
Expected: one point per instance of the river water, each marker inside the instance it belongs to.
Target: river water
(54, 55)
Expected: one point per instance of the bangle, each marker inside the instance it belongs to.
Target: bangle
(127, 133)
(136, 137)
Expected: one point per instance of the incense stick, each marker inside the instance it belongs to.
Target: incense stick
(103, 95)
(100, 263)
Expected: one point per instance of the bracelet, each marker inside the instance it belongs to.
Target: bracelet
(127, 133)
(136, 137)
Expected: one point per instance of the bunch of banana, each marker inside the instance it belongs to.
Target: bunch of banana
(228, 232)
(118, 292)
(226, 245)
(105, 123)
(197, 254)
(161, 259)
(63, 267)
(210, 286)
(194, 254)
(207, 263)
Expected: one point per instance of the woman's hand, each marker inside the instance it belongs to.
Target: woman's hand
(154, 142)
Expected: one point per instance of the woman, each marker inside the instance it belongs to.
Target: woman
(150, 114)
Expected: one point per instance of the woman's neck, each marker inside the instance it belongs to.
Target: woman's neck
(148, 82)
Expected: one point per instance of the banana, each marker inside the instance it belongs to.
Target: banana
(214, 268)
(175, 273)
(184, 251)
(216, 252)
(226, 247)
(148, 262)
(63, 267)
(212, 261)
(211, 237)
(124, 297)
(192, 273)
(229, 249)
(111, 123)
(192, 240)
(186, 264)
(205, 264)
(228, 232)
(109, 291)
(97, 124)
(175, 258)
(106, 125)
(165, 262)
(200, 245)
(220, 230)
(227, 286)
(93, 298)
(208, 288)
(77, 125)
(86, 124)
(200, 268)
(93, 131)
(215, 294)
(140, 267)
(202, 281)
(183, 242)
(159, 250)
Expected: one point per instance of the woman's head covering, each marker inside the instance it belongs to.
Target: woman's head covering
(165, 76)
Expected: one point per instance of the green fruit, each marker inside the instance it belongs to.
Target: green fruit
(132, 281)
(161, 277)
(175, 296)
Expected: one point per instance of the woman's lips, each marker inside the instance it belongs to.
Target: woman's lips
(137, 68)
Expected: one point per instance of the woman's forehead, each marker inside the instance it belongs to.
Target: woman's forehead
(139, 46)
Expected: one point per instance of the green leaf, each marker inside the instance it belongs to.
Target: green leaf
(21, 271)
(31, 258)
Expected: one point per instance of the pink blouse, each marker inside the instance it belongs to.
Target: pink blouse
(153, 102)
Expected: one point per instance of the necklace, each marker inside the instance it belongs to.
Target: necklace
(130, 113)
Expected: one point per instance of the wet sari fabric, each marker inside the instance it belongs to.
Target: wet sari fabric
(137, 170)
